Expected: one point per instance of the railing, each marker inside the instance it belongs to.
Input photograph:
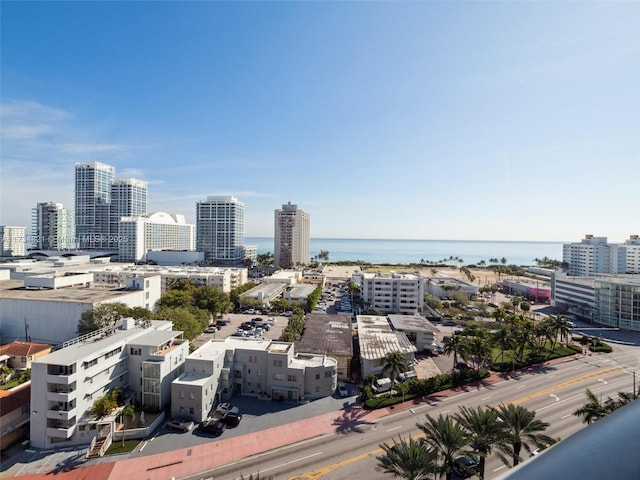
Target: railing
(105, 445)
(91, 445)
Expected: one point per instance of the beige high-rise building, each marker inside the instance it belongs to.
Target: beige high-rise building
(13, 240)
(292, 236)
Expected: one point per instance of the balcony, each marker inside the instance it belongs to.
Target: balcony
(64, 415)
(62, 379)
(61, 432)
(61, 396)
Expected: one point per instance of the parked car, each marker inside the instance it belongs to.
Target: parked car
(212, 426)
(211, 329)
(225, 408)
(343, 391)
(180, 424)
(466, 466)
(232, 418)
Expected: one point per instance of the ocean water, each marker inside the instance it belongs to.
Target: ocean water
(413, 251)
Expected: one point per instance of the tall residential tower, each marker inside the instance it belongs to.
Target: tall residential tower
(52, 227)
(292, 236)
(220, 229)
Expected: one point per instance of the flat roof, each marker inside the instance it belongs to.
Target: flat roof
(96, 346)
(15, 290)
(377, 339)
(192, 379)
(327, 334)
(154, 338)
(216, 347)
(413, 323)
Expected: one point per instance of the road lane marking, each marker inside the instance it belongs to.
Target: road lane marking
(567, 415)
(603, 381)
(555, 397)
(292, 461)
(559, 386)
(394, 428)
(520, 386)
(486, 398)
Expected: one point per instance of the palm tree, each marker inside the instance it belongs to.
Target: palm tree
(502, 338)
(128, 413)
(457, 345)
(408, 459)
(523, 430)
(591, 411)
(486, 432)
(393, 364)
(480, 350)
(446, 438)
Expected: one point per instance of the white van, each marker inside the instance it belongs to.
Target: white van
(382, 385)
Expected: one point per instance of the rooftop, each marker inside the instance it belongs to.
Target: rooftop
(329, 334)
(15, 290)
(413, 323)
(23, 349)
(377, 339)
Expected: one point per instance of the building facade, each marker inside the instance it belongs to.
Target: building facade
(220, 229)
(141, 357)
(292, 236)
(594, 256)
(264, 369)
(128, 199)
(53, 227)
(93, 182)
(156, 231)
(13, 241)
(392, 292)
(617, 301)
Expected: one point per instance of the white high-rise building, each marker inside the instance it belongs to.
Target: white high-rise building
(220, 229)
(13, 241)
(292, 236)
(128, 199)
(52, 227)
(92, 203)
(594, 255)
(155, 231)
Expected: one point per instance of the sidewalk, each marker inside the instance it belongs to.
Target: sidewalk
(191, 460)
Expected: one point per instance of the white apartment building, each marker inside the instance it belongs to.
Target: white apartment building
(223, 278)
(128, 199)
(154, 231)
(220, 229)
(617, 301)
(52, 227)
(37, 308)
(444, 286)
(377, 339)
(292, 236)
(264, 369)
(392, 292)
(13, 240)
(594, 255)
(142, 358)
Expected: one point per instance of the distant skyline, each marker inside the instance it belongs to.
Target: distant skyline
(392, 120)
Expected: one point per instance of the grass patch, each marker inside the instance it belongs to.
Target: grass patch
(14, 382)
(116, 448)
(532, 357)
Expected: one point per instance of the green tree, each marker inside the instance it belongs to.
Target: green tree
(323, 255)
(140, 313)
(175, 298)
(486, 431)
(456, 345)
(183, 320)
(103, 406)
(480, 350)
(502, 338)
(5, 374)
(128, 413)
(446, 438)
(25, 375)
(393, 364)
(212, 299)
(408, 459)
(523, 430)
(591, 411)
(101, 316)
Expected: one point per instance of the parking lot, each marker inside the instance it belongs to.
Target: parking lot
(236, 319)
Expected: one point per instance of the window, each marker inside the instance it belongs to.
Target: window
(327, 374)
(277, 363)
(192, 396)
(317, 376)
(113, 352)
(278, 376)
(135, 351)
(253, 359)
(191, 411)
(181, 394)
(90, 363)
(292, 378)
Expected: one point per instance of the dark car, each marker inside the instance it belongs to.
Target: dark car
(212, 426)
(466, 466)
(233, 418)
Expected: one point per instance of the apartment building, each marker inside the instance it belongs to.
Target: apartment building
(13, 241)
(264, 369)
(128, 199)
(392, 292)
(53, 227)
(223, 278)
(140, 357)
(617, 301)
(220, 229)
(154, 231)
(377, 338)
(594, 255)
(418, 330)
(292, 236)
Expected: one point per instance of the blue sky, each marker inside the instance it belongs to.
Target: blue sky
(420, 120)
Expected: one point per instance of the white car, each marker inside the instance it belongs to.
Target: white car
(343, 391)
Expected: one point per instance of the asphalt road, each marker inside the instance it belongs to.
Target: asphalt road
(553, 392)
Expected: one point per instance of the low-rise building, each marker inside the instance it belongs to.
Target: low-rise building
(14, 415)
(376, 339)
(19, 355)
(141, 357)
(263, 369)
(418, 330)
(443, 287)
(330, 335)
